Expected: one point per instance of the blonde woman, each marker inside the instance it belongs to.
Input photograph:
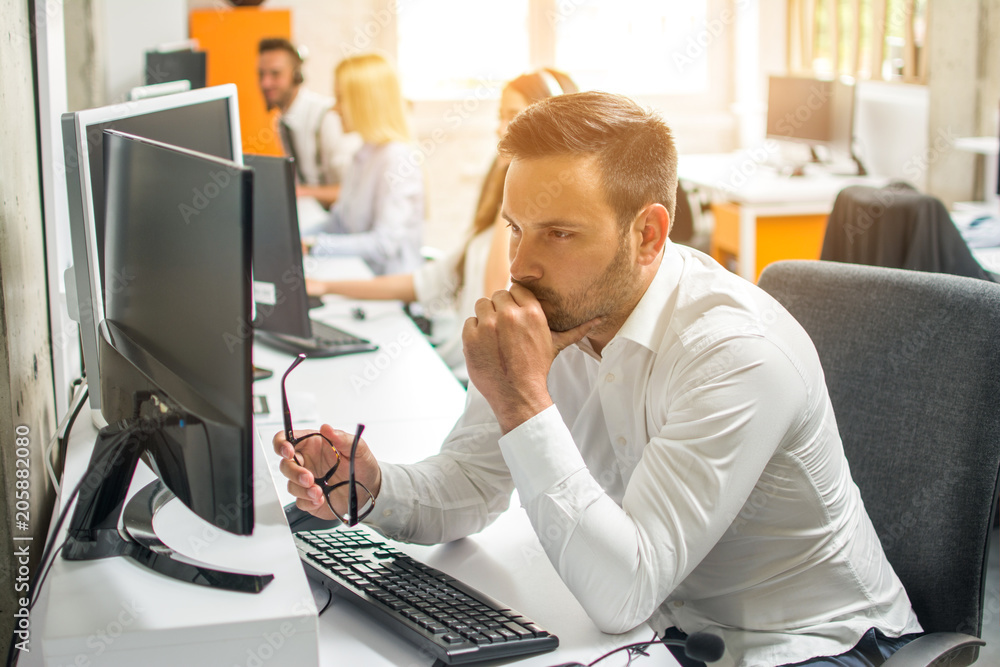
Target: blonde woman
(480, 266)
(380, 213)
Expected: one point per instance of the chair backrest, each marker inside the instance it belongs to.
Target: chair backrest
(897, 227)
(912, 364)
(682, 228)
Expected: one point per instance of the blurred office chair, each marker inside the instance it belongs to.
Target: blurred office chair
(897, 227)
(912, 363)
(688, 224)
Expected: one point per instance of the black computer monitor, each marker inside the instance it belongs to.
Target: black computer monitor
(816, 112)
(205, 120)
(175, 356)
(279, 280)
(282, 305)
(182, 65)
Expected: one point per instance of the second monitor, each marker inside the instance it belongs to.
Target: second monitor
(815, 112)
(282, 308)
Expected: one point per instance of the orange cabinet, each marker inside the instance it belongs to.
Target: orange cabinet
(230, 36)
(773, 237)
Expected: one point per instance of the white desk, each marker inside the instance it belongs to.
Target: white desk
(408, 407)
(116, 612)
(987, 148)
(766, 216)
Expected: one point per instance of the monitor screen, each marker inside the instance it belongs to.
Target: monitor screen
(813, 111)
(205, 120)
(179, 318)
(280, 297)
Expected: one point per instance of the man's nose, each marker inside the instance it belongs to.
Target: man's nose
(524, 263)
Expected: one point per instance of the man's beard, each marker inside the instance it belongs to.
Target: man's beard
(607, 294)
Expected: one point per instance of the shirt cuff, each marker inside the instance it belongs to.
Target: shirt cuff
(540, 454)
(395, 503)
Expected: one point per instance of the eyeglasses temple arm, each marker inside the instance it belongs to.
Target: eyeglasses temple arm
(285, 412)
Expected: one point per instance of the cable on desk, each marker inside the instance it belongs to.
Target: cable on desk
(329, 599)
(61, 434)
(633, 649)
(48, 554)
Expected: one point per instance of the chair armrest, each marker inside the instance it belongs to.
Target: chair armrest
(923, 651)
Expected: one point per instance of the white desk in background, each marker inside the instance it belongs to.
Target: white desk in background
(408, 408)
(987, 149)
(762, 215)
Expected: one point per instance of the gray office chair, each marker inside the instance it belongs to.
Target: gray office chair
(912, 363)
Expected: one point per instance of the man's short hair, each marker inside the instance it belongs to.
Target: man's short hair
(634, 148)
(282, 44)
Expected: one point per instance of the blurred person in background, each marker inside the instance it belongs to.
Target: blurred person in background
(310, 131)
(379, 215)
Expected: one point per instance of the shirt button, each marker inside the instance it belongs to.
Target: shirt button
(387, 513)
(622, 441)
(678, 603)
(610, 377)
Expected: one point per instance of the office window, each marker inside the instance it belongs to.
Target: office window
(454, 48)
(635, 47)
(868, 39)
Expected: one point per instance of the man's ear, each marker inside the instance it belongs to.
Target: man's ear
(652, 226)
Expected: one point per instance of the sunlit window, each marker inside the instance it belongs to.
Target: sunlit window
(449, 48)
(635, 47)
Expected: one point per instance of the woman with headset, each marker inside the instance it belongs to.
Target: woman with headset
(480, 266)
(379, 215)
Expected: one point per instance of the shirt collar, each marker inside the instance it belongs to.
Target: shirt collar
(304, 100)
(647, 323)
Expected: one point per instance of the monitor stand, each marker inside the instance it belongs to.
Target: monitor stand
(94, 531)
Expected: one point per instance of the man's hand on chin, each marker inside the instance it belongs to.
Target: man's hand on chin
(509, 349)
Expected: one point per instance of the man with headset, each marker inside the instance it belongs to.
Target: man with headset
(310, 131)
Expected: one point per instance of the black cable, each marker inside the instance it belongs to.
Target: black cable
(639, 647)
(45, 562)
(328, 601)
(63, 438)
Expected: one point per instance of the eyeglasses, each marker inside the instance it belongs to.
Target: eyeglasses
(360, 501)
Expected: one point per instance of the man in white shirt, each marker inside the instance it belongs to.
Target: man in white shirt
(310, 131)
(665, 423)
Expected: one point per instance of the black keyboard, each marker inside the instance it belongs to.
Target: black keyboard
(326, 341)
(448, 619)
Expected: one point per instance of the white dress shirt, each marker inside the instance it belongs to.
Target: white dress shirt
(690, 475)
(436, 286)
(380, 213)
(321, 149)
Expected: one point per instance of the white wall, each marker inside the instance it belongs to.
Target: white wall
(129, 29)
